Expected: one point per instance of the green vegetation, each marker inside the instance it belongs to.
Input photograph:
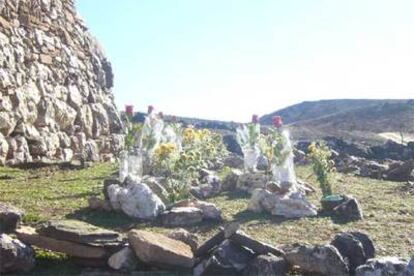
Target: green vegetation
(322, 165)
(49, 193)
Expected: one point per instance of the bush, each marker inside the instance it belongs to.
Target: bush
(320, 154)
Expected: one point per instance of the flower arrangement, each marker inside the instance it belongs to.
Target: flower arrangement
(320, 154)
(170, 150)
(248, 137)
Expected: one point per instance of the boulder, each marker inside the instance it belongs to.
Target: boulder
(79, 232)
(10, 217)
(124, 260)
(15, 256)
(248, 182)
(29, 235)
(227, 259)
(389, 266)
(354, 247)
(136, 200)
(159, 250)
(181, 216)
(325, 260)
(186, 237)
(267, 265)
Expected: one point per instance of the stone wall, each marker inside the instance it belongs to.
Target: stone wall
(55, 83)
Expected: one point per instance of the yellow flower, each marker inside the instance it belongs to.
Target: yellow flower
(165, 149)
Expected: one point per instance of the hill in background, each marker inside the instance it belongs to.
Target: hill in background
(369, 121)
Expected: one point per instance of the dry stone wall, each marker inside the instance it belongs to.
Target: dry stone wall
(55, 86)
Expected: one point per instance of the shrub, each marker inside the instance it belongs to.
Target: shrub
(320, 154)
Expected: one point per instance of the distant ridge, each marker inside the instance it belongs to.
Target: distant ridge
(349, 119)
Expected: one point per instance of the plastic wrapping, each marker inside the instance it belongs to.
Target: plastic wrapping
(285, 172)
(130, 164)
(251, 156)
(247, 138)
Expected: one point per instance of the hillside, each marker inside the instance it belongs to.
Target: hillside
(350, 119)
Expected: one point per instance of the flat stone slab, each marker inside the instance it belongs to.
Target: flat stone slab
(30, 236)
(79, 232)
(159, 250)
(182, 216)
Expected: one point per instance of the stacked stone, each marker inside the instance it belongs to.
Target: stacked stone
(55, 86)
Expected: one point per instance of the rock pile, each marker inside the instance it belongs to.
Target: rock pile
(55, 87)
(229, 252)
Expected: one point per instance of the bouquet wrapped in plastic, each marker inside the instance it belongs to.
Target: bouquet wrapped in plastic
(248, 138)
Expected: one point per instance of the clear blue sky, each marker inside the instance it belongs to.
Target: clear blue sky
(228, 59)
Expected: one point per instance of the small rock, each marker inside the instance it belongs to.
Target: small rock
(234, 161)
(15, 256)
(267, 265)
(248, 182)
(10, 217)
(182, 216)
(124, 260)
(95, 203)
(210, 210)
(256, 246)
(401, 172)
(329, 203)
(230, 180)
(159, 250)
(386, 266)
(228, 258)
(186, 237)
(349, 210)
(325, 260)
(262, 163)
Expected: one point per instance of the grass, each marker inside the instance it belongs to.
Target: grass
(50, 193)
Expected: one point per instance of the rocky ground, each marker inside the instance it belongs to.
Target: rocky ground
(388, 212)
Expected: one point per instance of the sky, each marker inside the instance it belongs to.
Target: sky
(229, 59)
